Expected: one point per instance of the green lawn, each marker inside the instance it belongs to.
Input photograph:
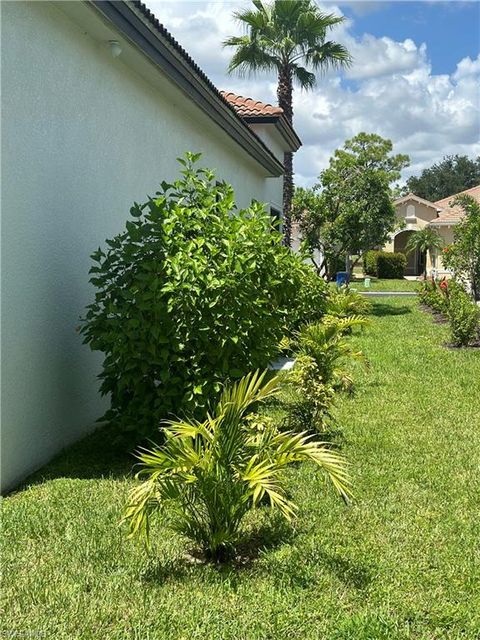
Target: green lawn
(402, 562)
(377, 284)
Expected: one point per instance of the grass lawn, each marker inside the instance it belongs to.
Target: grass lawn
(402, 562)
(377, 284)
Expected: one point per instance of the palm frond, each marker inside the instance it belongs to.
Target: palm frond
(208, 475)
(287, 35)
(304, 78)
(329, 55)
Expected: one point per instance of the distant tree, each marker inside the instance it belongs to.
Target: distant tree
(350, 211)
(425, 241)
(446, 178)
(289, 37)
(463, 256)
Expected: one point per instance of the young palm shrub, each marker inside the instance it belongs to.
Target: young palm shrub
(345, 303)
(325, 342)
(209, 475)
(307, 399)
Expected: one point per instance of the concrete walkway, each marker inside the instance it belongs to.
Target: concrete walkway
(400, 294)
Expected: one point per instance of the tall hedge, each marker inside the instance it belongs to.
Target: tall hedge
(391, 265)
(193, 293)
(370, 262)
(384, 264)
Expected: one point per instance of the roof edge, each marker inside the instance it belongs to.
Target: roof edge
(137, 24)
(448, 199)
(412, 196)
(443, 223)
(285, 129)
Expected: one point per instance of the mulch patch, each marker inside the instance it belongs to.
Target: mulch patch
(438, 317)
(455, 347)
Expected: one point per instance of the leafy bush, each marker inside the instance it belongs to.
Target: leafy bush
(464, 318)
(463, 256)
(309, 301)
(384, 264)
(391, 265)
(370, 262)
(434, 295)
(193, 293)
(209, 475)
(344, 302)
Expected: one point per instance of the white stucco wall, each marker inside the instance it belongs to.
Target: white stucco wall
(83, 136)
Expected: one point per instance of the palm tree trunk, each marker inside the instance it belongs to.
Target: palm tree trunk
(284, 96)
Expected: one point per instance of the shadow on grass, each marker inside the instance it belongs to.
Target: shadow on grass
(92, 457)
(350, 573)
(381, 309)
(253, 544)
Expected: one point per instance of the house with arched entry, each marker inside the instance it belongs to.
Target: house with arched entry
(415, 213)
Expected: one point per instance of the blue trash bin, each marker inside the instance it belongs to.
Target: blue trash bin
(342, 278)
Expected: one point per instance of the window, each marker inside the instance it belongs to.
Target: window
(276, 216)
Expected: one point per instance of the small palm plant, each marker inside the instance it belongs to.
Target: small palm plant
(425, 240)
(326, 343)
(209, 475)
(347, 303)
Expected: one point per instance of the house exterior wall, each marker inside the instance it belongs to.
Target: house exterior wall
(411, 216)
(83, 136)
(447, 234)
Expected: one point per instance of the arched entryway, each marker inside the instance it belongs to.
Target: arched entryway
(415, 259)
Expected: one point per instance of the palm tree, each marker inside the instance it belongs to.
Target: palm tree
(208, 475)
(425, 240)
(288, 37)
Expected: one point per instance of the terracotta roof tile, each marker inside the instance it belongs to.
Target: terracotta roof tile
(248, 107)
(473, 191)
(450, 215)
(453, 214)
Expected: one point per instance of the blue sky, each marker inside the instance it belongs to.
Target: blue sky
(451, 30)
(415, 77)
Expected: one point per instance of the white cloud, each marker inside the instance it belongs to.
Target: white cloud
(467, 67)
(390, 89)
(374, 57)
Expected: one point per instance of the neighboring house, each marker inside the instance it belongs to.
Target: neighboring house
(413, 214)
(98, 100)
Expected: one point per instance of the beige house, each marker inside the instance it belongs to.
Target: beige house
(413, 214)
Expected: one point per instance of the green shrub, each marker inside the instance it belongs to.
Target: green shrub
(370, 262)
(193, 293)
(309, 301)
(435, 295)
(384, 264)
(209, 475)
(391, 265)
(464, 317)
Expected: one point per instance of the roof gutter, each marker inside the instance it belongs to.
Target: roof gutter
(133, 21)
